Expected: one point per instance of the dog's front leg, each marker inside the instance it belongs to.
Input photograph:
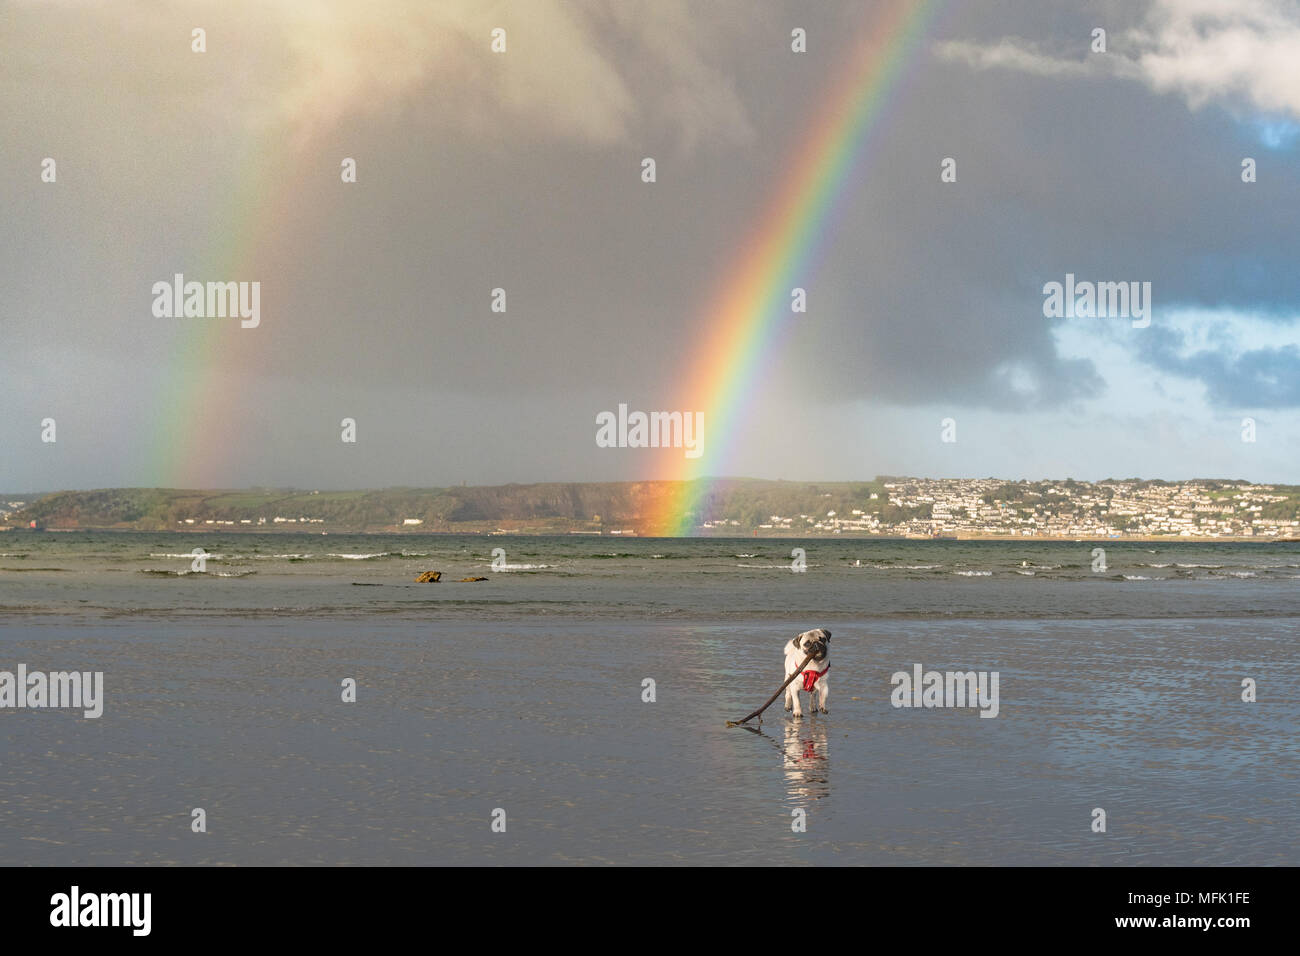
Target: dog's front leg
(788, 695)
(823, 692)
(794, 696)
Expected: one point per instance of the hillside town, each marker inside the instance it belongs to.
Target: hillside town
(989, 507)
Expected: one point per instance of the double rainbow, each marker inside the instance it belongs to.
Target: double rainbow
(744, 320)
(743, 323)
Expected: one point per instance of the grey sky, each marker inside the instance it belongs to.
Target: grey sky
(521, 170)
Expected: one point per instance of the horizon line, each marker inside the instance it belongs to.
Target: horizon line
(659, 481)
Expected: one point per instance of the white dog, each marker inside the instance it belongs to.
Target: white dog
(817, 643)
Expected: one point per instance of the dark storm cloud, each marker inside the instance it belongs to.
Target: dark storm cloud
(1107, 179)
(522, 172)
(928, 291)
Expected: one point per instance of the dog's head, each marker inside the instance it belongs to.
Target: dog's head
(815, 642)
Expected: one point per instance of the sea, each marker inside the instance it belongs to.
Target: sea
(298, 699)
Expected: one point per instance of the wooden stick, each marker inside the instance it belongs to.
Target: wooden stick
(737, 723)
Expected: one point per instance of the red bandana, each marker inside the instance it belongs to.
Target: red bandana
(810, 678)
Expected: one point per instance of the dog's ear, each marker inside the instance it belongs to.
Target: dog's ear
(827, 638)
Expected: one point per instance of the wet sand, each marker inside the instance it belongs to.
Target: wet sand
(544, 719)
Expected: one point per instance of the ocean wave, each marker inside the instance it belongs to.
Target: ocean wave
(183, 572)
(521, 567)
(973, 574)
(362, 557)
(1136, 577)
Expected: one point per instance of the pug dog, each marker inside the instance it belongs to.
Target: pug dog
(817, 643)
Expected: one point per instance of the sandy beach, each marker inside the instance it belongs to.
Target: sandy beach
(524, 693)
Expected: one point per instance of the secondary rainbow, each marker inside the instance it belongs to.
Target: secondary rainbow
(748, 315)
(201, 419)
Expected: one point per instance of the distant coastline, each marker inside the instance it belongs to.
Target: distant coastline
(756, 536)
(883, 508)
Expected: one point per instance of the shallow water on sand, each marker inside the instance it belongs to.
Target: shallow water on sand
(147, 575)
(543, 718)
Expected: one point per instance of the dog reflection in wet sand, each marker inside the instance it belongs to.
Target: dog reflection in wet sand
(817, 643)
(807, 761)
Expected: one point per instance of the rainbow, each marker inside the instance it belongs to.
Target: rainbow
(744, 317)
(203, 409)
(202, 412)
